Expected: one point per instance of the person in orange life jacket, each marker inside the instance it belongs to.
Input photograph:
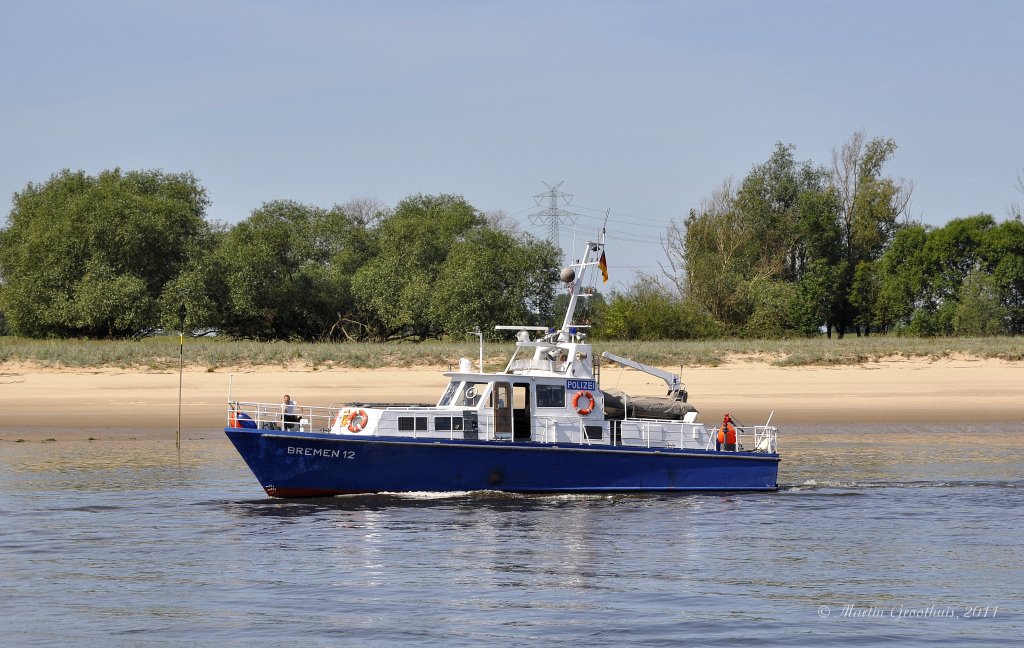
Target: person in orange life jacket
(727, 435)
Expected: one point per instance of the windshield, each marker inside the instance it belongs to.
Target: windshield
(446, 399)
(471, 394)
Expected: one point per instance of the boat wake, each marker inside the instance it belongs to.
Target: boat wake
(489, 494)
(820, 485)
(430, 495)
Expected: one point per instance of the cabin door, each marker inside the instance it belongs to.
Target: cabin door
(512, 415)
(501, 402)
(522, 417)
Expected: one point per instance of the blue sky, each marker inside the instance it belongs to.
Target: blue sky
(640, 107)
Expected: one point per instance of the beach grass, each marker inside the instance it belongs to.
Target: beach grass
(850, 350)
(161, 353)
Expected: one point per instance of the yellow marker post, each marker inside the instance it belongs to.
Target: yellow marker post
(181, 366)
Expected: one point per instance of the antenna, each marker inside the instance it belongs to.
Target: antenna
(553, 216)
(479, 334)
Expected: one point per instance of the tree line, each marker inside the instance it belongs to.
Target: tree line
(117, 255)
(792, 249)
(796, 248)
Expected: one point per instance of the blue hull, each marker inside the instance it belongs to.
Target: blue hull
(296, 464)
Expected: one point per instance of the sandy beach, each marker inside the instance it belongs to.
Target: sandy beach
(41, 403)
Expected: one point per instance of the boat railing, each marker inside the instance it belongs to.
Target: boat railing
(642, 439)
(549, 427)
(649, 433)
(765, 438)
(271, 416)
(657, 433)
(750, 438)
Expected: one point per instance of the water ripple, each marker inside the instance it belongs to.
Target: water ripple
(186, 549)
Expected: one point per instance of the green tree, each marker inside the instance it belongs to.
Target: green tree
(819, 294)
(789, 212)
(90, 255)
(104, 300)
(901, 278)
(870, 206)
(780, 225)
(864, 294)
(490, 277)
(931, 320)
(410, 245)
(979, 311)
(779, 309)
(924, 273)
(649, 311)
(1002, 251)
(951, 253)
(199, 286)
(282, 273)
(711, 251)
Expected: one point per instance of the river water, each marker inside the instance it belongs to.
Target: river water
(906, 534)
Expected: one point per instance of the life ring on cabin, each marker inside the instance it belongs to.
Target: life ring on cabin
(583, 411)
(358, 421)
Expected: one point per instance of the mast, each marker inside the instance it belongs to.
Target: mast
(579, 273)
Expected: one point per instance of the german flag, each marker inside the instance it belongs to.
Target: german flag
(603, 264)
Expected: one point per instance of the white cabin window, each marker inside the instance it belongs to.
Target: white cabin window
(550, 395)
(412, 423)
(471, 394)
(447, 423)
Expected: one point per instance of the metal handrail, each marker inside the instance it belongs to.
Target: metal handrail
(761, 438)
(550, 427)
(762, 435)
(265, 415)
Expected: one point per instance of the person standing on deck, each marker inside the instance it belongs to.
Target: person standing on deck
(727, 435)
(288, 407)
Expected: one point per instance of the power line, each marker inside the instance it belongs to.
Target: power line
(632, 218)
(553, 216)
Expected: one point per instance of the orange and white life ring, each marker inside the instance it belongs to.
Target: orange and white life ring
(588, 408)
(358, 421)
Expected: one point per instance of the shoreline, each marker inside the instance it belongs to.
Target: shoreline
(39, 403)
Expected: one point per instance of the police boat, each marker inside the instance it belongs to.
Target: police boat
(543, 425)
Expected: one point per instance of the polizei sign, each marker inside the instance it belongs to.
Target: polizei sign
(581, 385)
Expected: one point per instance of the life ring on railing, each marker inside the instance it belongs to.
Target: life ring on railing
(358, 421)
(583, 411)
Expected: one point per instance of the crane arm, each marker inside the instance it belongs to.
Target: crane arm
(671, 379)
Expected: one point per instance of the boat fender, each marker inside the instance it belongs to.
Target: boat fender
(586, 409)
(240, 419)
(358, 421)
